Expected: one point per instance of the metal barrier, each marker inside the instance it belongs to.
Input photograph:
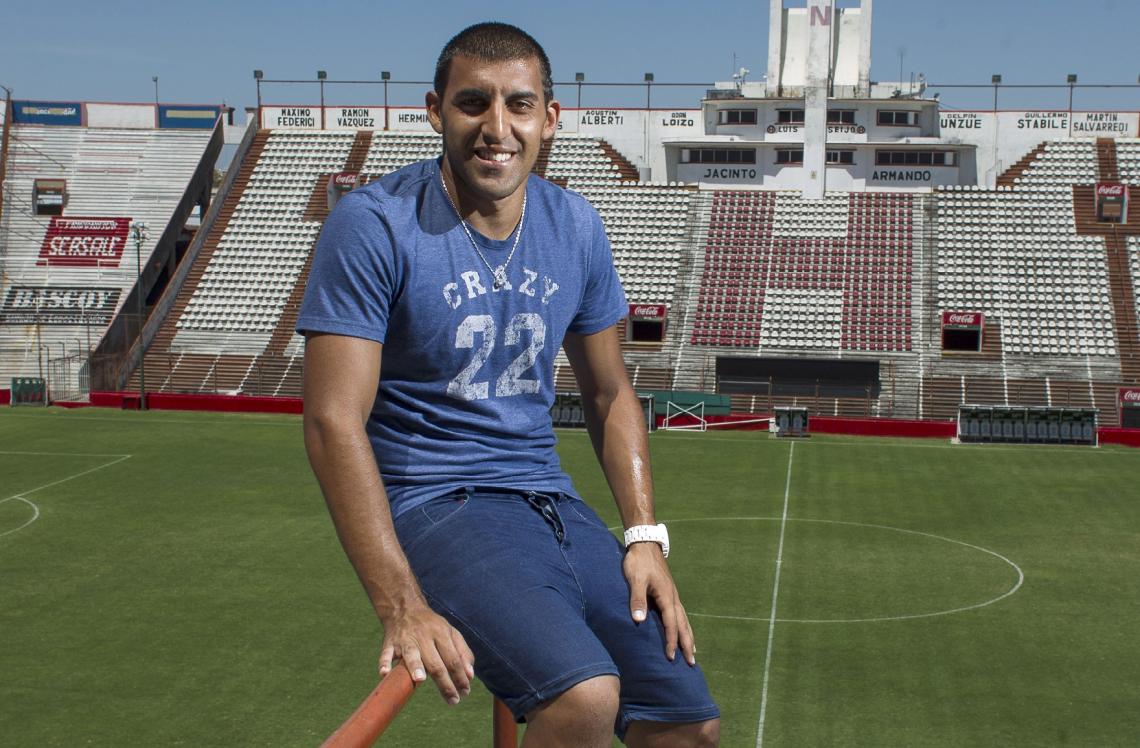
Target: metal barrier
(378, 710)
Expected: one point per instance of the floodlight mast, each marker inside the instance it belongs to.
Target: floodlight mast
(139, 234)
(385, 75)
(257, 76)
(1071, 79)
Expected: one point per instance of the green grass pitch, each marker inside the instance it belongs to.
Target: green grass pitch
(193, 593)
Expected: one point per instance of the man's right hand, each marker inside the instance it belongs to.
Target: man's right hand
(341, 377)
(428, 645)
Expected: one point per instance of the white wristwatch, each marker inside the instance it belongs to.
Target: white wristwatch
(648, 534)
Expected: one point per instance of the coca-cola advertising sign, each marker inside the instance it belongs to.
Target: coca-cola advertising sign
(963, 320)
(647, 311)
(1130, 397)
(1108, 189)
(84, 242)
(345, 180)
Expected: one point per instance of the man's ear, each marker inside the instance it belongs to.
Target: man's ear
(435, 116)
(553, 109)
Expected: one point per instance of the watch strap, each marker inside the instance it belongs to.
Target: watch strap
(648, 534)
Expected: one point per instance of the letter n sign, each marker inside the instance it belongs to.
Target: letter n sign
(820, 16)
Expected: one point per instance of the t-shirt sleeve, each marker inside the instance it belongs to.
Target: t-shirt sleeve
(603, 300)
(353, 276)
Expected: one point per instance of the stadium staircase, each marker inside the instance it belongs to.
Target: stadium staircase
(1120, 276)
(1009, 177)
(184, 371)
(543, 159)
(358, 154)
(627, 171)
(1106, 160)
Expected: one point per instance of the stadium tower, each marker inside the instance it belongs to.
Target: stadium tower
(817, 121)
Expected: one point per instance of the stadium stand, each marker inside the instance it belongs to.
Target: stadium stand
(69, 279)
(1128, 161)
(1000, 253)
(1053, 282)
(251, 273)
(857, 276)
(230, 327)
(648, 227)
(788, 274)
(860, 276)
(736, 267)
(391, 150)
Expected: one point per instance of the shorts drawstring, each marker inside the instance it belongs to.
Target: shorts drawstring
(545, 505)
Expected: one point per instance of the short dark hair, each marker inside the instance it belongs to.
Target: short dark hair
(493, 42)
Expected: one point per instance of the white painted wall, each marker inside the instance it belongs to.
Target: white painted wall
(291, 117)
(354, 118)
(849, 43)
(665, 124)
(641, 135)
(127, 116)
(1002, 140)
(862, 175)
(413, 119)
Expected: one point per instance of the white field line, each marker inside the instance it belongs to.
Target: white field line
(904, 617)
(21, 496)
(62, 454)
(775, 595)
(35, 514)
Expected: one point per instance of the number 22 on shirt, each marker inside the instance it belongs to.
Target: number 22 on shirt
(511, 381)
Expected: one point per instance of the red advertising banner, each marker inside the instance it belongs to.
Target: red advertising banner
(84, 242)
(1112, 202)
(647, 311)
(963, 320)
(344, 181)
(1129, 397)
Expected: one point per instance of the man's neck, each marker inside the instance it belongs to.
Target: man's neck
(495, 219)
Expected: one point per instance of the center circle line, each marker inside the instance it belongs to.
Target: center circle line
(911, 616)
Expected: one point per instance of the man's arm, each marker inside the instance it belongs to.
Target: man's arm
(617, 429)
(341, 377)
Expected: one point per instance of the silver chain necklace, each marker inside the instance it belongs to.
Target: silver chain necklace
(500, 273)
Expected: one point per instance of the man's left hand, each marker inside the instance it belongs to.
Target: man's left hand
(648, 576)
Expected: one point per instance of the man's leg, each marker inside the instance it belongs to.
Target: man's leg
(580, 717)
(673, 735)
(493, 565)
(663, 702)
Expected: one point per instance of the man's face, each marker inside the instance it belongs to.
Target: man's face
(493, 121)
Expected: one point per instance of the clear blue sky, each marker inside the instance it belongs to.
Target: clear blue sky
(205, 52)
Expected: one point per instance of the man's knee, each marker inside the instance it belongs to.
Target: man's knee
(587, 708)
(673, 735)
(707, 734)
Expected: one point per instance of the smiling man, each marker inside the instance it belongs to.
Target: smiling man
(438, 299)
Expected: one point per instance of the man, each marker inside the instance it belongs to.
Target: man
(464, 275)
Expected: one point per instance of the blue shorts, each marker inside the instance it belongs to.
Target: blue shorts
(535, 585)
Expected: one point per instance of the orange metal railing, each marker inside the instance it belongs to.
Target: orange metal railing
(365, 725)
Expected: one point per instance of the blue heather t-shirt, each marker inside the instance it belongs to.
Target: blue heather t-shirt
(467, 370)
